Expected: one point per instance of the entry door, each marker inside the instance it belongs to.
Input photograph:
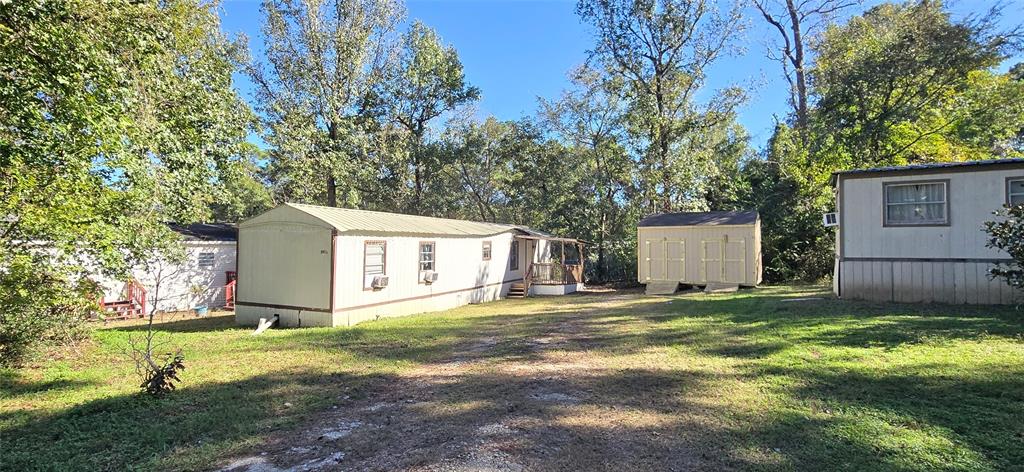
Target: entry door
(724, 260)
(665, 259)
(711, 260)
(735, 261)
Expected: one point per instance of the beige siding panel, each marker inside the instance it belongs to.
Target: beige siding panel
(737, 247)
(947, 289)
(463, 276)
(928, 282)
(973, 196)
(302, 252)
(960, 283)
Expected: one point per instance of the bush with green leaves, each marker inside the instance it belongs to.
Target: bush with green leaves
(1007, 234)
(41, 306)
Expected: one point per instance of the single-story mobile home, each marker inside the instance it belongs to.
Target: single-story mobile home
(914, 233)
(698, 248)
(321, 266)
(201, 279)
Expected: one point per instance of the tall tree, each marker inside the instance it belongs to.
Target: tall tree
(323, 57)
(883, 78)
(117, 116)
(795, 22)
(427, 82)
(589, 119)
(660, 50)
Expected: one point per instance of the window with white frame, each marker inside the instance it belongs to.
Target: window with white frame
(916, 203)
(513, 256)
(205, 260)
(374, 261)
(426, 256)
(486, 251)
(1015, 191)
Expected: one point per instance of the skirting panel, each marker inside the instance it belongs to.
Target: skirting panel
(924, 282)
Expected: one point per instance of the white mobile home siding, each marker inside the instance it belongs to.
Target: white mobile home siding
(463, 276)
(301, 269)
(946, 264)
(182, 285)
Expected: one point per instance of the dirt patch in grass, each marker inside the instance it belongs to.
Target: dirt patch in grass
(610, 381)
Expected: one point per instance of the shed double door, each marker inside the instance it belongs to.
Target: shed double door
(723, 260)
(666, 259)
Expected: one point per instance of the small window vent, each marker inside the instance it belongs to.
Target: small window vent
(206, 260)
(831, 219)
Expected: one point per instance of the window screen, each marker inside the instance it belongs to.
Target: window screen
(487, 251)
(205, 260)
(374, 260)
(513, 256)
(916, 204)
(426, 256)
(1015, 192)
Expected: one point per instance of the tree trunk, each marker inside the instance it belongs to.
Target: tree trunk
(798, 67)
(332, 183)
(332, 191)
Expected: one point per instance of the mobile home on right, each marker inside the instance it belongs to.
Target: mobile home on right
(915, 233)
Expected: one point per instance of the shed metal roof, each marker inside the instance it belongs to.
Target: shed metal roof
(350, 221)
(707, 218)
(952, 166)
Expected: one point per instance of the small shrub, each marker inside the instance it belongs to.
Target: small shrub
(159, 378)
(1007, 234)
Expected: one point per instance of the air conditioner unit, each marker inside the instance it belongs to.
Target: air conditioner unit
(429, 276)
(379, 281)
(831, 219)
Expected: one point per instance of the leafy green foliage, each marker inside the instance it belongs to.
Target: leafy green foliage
(904, 83)
(1007, 235)
(658, 51)
(784, 188)
(323, 60)
(116, 117)
(41, 305)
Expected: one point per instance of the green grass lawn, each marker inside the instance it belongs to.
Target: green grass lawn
(737, 381)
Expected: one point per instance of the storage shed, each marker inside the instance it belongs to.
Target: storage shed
(700, 248)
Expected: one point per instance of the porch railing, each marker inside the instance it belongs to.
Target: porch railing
(229, 295)
(554, 273)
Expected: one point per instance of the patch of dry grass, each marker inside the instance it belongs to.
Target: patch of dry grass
(598, 382)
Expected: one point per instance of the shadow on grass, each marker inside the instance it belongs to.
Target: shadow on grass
(13, 385)
(190, 325)
(813, 416)
(186, 429)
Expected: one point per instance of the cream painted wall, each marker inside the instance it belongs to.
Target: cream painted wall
(463, 275)
(685, 246)
(881, 263)
(972, 196)
(285, 264)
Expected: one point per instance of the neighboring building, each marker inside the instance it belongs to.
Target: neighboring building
(323, 266)
(199, 280)
(700, 248)
(914, 233)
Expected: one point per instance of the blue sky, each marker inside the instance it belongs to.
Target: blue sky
(517, 50)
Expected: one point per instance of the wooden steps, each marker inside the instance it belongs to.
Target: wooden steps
(123, 309)
(518, 290)
(132, 306)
